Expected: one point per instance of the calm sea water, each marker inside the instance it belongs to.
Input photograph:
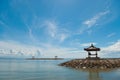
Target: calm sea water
(49, 70)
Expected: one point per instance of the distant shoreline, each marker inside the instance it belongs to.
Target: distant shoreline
(44, 58)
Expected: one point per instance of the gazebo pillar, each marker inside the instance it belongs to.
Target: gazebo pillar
(96, 54)
(89, 54)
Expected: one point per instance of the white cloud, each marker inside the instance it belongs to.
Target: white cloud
(35, 24)
(64, 52)
(88, 24)
(93, 20)
(110, 35)
(51, 28)
(63, 37)
(31, 35)
(47, 50)
(54, 30)
(112, 50)
(14, 48)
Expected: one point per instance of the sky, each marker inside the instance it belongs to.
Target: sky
(63, 28)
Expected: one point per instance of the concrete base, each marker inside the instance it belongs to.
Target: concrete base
(93, 58)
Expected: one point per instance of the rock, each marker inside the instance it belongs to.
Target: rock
(107, 63)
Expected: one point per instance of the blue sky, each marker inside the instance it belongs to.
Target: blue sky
(45, 28)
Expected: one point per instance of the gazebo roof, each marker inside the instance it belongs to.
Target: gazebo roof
(92, 48)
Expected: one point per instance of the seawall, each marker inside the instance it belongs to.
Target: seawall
(44, 58)
(102, 63)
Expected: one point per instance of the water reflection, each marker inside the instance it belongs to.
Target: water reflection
(49, 70)
(94, 75)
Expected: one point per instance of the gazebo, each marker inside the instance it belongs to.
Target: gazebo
(92, 49)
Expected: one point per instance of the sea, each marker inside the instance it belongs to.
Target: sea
(21, 69)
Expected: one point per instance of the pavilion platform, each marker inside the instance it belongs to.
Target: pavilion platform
(89, 63)
(93, 61)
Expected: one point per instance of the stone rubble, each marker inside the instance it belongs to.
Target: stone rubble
(106, 63)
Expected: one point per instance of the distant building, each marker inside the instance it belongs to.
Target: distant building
(56, 57)
(33, 57)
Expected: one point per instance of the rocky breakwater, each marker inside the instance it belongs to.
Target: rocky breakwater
(106, 63)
